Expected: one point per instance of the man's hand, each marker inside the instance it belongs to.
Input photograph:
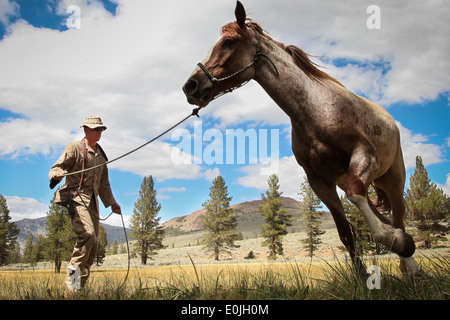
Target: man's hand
(57, 178)
(116, 208)
(59, 175)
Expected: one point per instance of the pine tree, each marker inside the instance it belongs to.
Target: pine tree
(15, 256)
(28, 250)
(123, 247)
(114, 248)
(102, 244)
(8, 233)
(311, 217)
(220, 220)
(60, 237)
(276, 218)
(428, 206)
(145, 226)
(38, 252)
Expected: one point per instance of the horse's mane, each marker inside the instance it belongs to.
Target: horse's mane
(300, 58)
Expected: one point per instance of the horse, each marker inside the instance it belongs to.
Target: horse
(339, 138)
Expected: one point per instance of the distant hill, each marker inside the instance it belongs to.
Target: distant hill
(27, 226)
(37, 227)
(249, 219)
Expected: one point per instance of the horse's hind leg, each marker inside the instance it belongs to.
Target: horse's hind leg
(392, 184)
(363, 165)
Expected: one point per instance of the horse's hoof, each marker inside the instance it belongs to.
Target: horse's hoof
(403, 244)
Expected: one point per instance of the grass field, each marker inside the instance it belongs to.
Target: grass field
(286, 280)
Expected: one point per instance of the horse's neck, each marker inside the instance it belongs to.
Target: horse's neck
(294, 92)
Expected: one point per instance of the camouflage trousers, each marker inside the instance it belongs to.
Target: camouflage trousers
(85, 224)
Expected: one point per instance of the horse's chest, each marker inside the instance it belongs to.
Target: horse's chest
(316, 155)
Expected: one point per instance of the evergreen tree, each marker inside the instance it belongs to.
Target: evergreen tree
(15, 256)
(428, 206)
(102, 244)
(60, 237)
(276, 218)
(145, 226)
(123, 247)
(220, 220)
(311, 217)
(114, 248)
(8, 233)
(28, 250)
(38, 251)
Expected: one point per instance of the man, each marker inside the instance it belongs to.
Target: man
(80, 194)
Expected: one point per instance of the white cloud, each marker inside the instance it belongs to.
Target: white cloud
(154, 159)
(31, 137)
(30, 208)
(367, 80)
(408, 40)
(129, 68)
(21, 208)
(173, 189)
(446, 187)
(415, 145)
(8, 9)
(116, 220)
(289, 172)
(169, 189)
(211, 174)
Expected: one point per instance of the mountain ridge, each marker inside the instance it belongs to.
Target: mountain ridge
(248, 217)
(38, 227)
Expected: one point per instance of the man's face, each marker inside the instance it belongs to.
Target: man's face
(93, 135)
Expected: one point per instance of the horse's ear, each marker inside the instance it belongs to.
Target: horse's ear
(240, 14)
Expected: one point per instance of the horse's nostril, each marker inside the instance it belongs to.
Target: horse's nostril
(190, 87)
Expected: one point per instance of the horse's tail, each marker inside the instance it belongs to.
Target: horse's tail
(382, 201)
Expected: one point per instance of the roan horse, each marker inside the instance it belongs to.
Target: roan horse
(339, 138)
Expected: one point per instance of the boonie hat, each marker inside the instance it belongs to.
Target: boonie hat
(93, 122)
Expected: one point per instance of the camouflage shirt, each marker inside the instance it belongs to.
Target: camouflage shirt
(95, 182)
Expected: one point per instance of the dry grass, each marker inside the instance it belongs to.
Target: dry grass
(284, 280)
(185, 272)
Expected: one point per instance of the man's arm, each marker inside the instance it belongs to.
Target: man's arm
(64, 163)
(106, 194)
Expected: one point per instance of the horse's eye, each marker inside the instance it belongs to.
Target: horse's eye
(228, 44)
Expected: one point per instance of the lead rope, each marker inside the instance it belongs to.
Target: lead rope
(128, 252)
(194, 113)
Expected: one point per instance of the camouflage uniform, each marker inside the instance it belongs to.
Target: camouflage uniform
(85, 222)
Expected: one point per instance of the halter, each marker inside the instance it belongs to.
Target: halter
(256, 56)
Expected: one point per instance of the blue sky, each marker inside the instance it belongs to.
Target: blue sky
(128, 61)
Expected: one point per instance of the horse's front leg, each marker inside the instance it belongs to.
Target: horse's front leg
(363, 165)
(328, 195)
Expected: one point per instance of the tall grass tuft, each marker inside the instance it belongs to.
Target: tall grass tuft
(288, 280)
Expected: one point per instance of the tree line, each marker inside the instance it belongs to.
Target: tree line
(428, 218)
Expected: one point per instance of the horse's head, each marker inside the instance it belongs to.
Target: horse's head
(227, 65)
